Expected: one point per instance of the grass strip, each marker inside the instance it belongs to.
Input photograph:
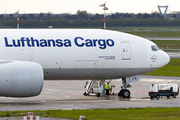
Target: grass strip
(104, 114)
(156, 33)
(167, 44)
(166, 41)
(171, 50)
(138, 28)
(171, 69)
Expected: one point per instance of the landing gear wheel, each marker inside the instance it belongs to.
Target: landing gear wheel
(125, 93)
(120, 92)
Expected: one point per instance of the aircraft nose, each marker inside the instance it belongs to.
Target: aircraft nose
(166, 58)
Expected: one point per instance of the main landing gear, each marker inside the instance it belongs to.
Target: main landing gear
(125, 93)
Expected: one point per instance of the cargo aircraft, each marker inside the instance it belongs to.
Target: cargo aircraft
(30, 56)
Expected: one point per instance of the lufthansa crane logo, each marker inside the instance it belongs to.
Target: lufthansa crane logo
(154, 58)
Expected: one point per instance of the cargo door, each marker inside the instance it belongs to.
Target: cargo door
(126, 51)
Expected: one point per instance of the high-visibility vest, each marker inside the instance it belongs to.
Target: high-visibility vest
(107, 87)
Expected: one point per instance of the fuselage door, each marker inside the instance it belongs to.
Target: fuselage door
(125, 51)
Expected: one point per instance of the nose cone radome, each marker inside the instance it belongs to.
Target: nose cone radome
(166, 58)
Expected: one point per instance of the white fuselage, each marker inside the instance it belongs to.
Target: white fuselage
(82, 53)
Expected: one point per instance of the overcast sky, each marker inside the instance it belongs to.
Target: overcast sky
(91, 6)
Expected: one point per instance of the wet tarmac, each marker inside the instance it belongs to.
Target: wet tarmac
(67, 95)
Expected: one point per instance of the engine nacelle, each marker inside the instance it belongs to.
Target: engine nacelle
(20, 79)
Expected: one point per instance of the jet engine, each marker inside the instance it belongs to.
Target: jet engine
(20, 78)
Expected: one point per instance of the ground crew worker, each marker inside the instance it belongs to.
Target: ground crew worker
(85, 84)
(107, 88)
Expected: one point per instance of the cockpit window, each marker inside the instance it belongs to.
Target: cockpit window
(155, 48)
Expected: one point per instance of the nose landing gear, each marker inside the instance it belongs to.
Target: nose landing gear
(125, 93)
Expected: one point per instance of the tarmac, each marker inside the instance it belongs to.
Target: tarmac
(174, 54)
(68, 95)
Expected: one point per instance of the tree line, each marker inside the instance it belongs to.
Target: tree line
(85, 19)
